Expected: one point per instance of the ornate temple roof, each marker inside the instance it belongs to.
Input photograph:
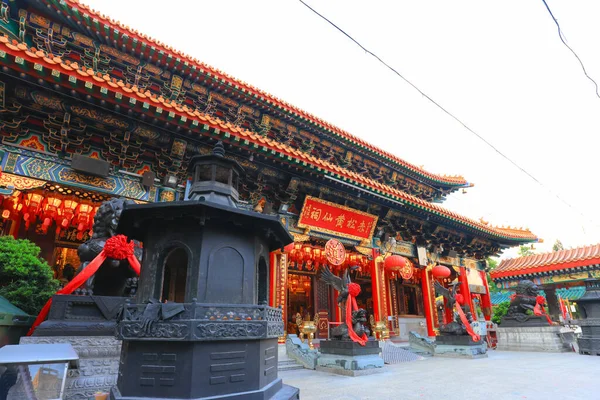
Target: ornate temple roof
(546, 262)
(56, 69)
(145, 45)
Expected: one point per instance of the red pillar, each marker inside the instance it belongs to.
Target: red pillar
(375, 286)
(465, 291)
(486, 299)
(448, 313)
(428, 301)
(273, 279)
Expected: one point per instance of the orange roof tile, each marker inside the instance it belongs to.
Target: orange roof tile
(544, 262)
(116, 25)
(395, 194)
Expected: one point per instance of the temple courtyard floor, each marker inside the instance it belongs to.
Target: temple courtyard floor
(503, 375)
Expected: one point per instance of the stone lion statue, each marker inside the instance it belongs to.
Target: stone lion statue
(523, 302)
(114, 277)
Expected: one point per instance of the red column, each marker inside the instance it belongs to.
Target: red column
(464, 290)
(375, 286)
(428, 301)
(448, 313)
(486, 299)
(273, 279)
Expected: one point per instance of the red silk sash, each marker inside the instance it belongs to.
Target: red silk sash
(353, 291)
(116, 247)
(459, 301)
(539, 308)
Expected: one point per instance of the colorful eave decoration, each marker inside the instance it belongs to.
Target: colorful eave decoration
(166, 56)
(561, 260)
(54, 70)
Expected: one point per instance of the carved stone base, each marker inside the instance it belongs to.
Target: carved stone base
(529, 321)
(81, 316)
(345, 357)
(285, 392)
(543, 338)
(98, 365)
(350, 365)
(156, 369)
(301, 352)
(349, 348)
(460, 346)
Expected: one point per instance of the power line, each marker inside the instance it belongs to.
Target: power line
(448, 112)
(562, 39)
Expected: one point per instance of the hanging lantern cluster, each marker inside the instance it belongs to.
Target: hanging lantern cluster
(49, 207)
(11, 205)
(309, 257)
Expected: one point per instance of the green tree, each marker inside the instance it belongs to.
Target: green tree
(492, 264)
(525, 250)
(557, 245)
(499, 311)
(25, 279)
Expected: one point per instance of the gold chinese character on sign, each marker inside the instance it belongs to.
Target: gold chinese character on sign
(362, 227)
(328, 217)
(316, 214)
(351, 223)
(339, 221)
(308, 209)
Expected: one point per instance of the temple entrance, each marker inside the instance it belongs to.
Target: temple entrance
(65, 263)
(175, 276)
(408, 308)
(300, 299)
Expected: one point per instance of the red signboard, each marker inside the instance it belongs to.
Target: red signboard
(335, 219)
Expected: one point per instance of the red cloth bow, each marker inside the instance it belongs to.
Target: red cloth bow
(117, 248)
(353, 291)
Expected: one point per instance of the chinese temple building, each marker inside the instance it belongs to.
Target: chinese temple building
(91, 109)
(561, 274)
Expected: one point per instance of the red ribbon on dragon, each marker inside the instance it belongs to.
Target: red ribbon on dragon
(353, 291)
(118, 248)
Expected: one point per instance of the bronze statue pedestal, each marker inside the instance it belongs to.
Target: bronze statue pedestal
(345, 357)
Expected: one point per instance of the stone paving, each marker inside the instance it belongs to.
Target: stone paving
(503, 375)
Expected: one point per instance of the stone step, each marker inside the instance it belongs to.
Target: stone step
(289, 367)
(287, 362)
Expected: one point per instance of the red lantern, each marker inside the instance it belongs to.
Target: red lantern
(440, 271)
(33, 206)
(17, 201)
(84, 218)
(50, 208)
(66, 214)
(307, 253)
(395, 263)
